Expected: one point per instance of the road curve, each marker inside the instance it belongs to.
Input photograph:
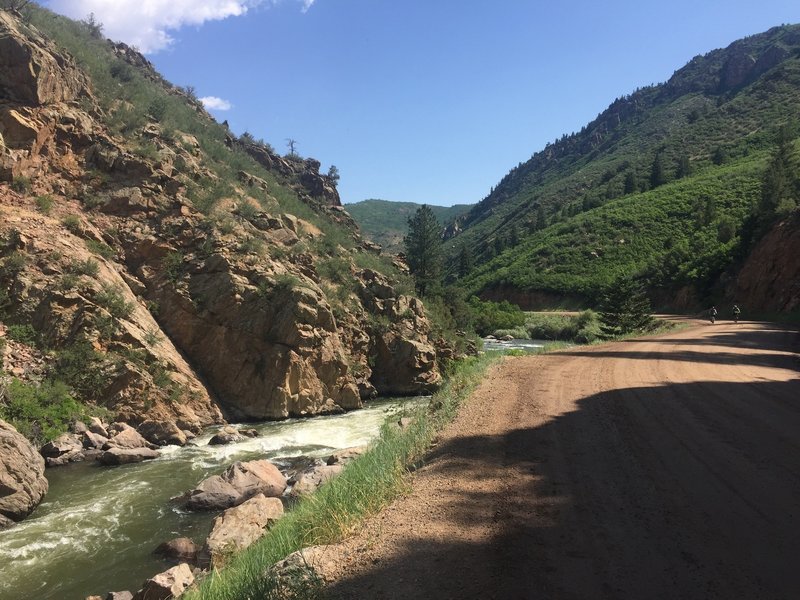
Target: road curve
(657, 468)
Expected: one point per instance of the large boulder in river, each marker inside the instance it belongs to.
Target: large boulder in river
(238, 527)
(126, 436)
(22, 480)
(125, 456)
(162, 433)
(239, 482)
(180, 549)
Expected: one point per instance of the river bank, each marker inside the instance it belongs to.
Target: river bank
(97, 528)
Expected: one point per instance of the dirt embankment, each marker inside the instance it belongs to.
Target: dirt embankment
(654, 468)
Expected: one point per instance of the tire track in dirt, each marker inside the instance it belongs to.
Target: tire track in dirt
(663, 467)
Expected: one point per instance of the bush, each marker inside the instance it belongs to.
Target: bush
(81, 367)
(489, 316)
(113, 301)
(24, 334)
(100, 248)
(44, 204)
(72, 223)
(21, 185)
(40, 413)
(88, 267)
(15, 262)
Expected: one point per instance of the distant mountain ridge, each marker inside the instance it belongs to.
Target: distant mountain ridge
(386, 222)
(689, 154)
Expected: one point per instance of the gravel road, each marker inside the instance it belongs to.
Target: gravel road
(658, 468)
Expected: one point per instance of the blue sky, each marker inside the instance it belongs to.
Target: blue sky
(423, 101)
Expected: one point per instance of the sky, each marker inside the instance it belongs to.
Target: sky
(428, 101)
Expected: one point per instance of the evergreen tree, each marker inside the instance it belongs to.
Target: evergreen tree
(684, 168)
(464, 261)
(779, 186)
(541, 218)
(657, 175)
(630, 183)
(423, 250)
(625, 308)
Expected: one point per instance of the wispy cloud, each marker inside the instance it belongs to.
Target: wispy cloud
(147, 24)
(214, 103)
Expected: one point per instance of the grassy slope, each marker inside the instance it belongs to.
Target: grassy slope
(587, 171)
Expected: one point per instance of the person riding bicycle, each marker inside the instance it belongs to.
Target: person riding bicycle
(736, 312)
(712, 313)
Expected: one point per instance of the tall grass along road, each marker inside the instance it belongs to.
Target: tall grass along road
(664, 467)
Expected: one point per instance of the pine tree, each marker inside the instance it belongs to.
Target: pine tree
(625, 308)
(464, 261)
(779, 186)
(657, 175)
(423, 250)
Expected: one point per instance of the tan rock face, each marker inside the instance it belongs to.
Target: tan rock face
(22, 481)
(32, 71)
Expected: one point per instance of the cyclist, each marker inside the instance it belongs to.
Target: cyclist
(713, 313)
(736, 312)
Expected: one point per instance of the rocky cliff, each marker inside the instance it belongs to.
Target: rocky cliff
(187, 280)
(770, 279)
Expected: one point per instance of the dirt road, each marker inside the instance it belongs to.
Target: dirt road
(654, 468)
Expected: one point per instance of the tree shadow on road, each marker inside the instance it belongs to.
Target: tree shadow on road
(680, 491)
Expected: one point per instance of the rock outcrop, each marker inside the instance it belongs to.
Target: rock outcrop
(22, 481)
(770, 279)
(175, 297)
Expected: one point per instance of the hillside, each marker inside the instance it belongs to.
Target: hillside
(386, 223)
(660, 185)
(157, 267)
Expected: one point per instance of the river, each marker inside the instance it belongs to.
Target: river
(98, 526)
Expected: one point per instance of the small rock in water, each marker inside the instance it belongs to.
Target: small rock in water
(124, 456)
(227, 435)
(119, 596)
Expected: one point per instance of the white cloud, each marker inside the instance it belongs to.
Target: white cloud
(214, 103)
(147, 24)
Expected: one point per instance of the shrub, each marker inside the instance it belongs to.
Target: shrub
(21, 185)
(81, 367)
(25, 334)
(44, 203)
(15, 262)
(100, 248)
(41, 413)
(489, 316)
(88, 267)
(172, 264)
(112, 300)
(72, 223)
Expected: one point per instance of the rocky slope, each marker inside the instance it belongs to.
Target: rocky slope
(178, 310)
(770, 279)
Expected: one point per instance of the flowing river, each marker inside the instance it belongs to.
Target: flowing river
(97, 528)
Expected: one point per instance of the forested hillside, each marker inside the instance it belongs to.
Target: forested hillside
(666, 184)
(385, 222)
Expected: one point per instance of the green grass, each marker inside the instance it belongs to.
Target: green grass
(365, 486)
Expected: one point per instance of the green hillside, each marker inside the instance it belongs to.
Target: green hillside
(660, 184)
(385, 222)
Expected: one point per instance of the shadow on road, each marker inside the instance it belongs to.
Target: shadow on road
(681, 491)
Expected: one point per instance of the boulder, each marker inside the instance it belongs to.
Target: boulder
(169, 584)
(312, 564)
(227, 435)
(124, 456)
(119, 596)
(312, 478)
(22, 480)
(93, 440)
(180, 549)
(239, 482)
(162, 433)
(126, 437)
(345, 455)
(238, 527)
(67, 447)
(96, 426)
